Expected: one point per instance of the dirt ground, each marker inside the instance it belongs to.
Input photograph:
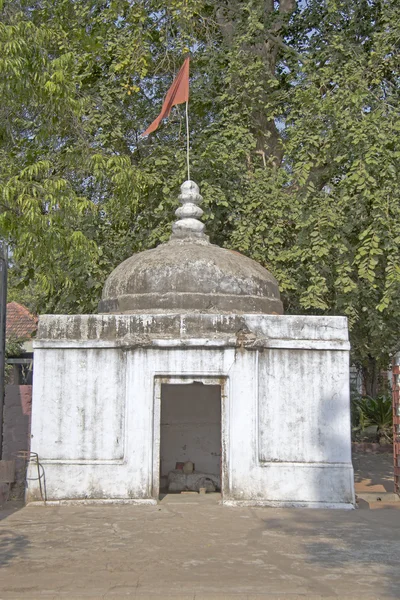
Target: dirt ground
(189, 546)
(373, 481)
(373, 472)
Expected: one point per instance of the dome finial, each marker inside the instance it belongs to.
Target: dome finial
(188, 225)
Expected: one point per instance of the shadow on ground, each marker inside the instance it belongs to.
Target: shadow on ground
(12, 545)
(355, 545)
(10, 507)
(373, 472)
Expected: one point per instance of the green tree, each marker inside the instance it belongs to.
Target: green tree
(294, 136)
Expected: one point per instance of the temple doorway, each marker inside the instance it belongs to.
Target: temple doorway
(190, 444)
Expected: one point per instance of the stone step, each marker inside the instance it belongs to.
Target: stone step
(378, 497)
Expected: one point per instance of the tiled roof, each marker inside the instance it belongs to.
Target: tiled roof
(20, 324)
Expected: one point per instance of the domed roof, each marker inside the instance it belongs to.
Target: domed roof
(189, 274)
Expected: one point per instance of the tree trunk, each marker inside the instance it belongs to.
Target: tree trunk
(370, 375)
(268, 138)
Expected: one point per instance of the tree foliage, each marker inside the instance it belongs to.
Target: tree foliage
(294, 143)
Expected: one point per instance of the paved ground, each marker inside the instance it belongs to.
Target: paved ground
(192, 547)
(373, 477)
(373, 472)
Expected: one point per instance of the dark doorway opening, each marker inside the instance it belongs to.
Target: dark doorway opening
(190, 432)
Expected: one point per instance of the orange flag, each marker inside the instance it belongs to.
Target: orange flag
(178, 93)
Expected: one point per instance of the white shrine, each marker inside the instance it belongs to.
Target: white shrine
(190, 360)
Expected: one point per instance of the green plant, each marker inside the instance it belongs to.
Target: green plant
(14, 349)
(373, 412)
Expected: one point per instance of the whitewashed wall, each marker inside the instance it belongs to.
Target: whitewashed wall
(82, 395)
(285, 406)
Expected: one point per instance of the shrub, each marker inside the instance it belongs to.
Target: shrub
(373, 412)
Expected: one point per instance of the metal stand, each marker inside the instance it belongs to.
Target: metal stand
(33, 458)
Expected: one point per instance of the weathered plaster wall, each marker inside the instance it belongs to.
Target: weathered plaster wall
(82, 395)
(289, 443)
(306, 403)
(191, 427)
(285, 403)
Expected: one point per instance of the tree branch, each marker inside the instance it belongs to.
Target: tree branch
(284, 46)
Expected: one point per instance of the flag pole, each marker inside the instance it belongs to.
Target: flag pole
(187, 139)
